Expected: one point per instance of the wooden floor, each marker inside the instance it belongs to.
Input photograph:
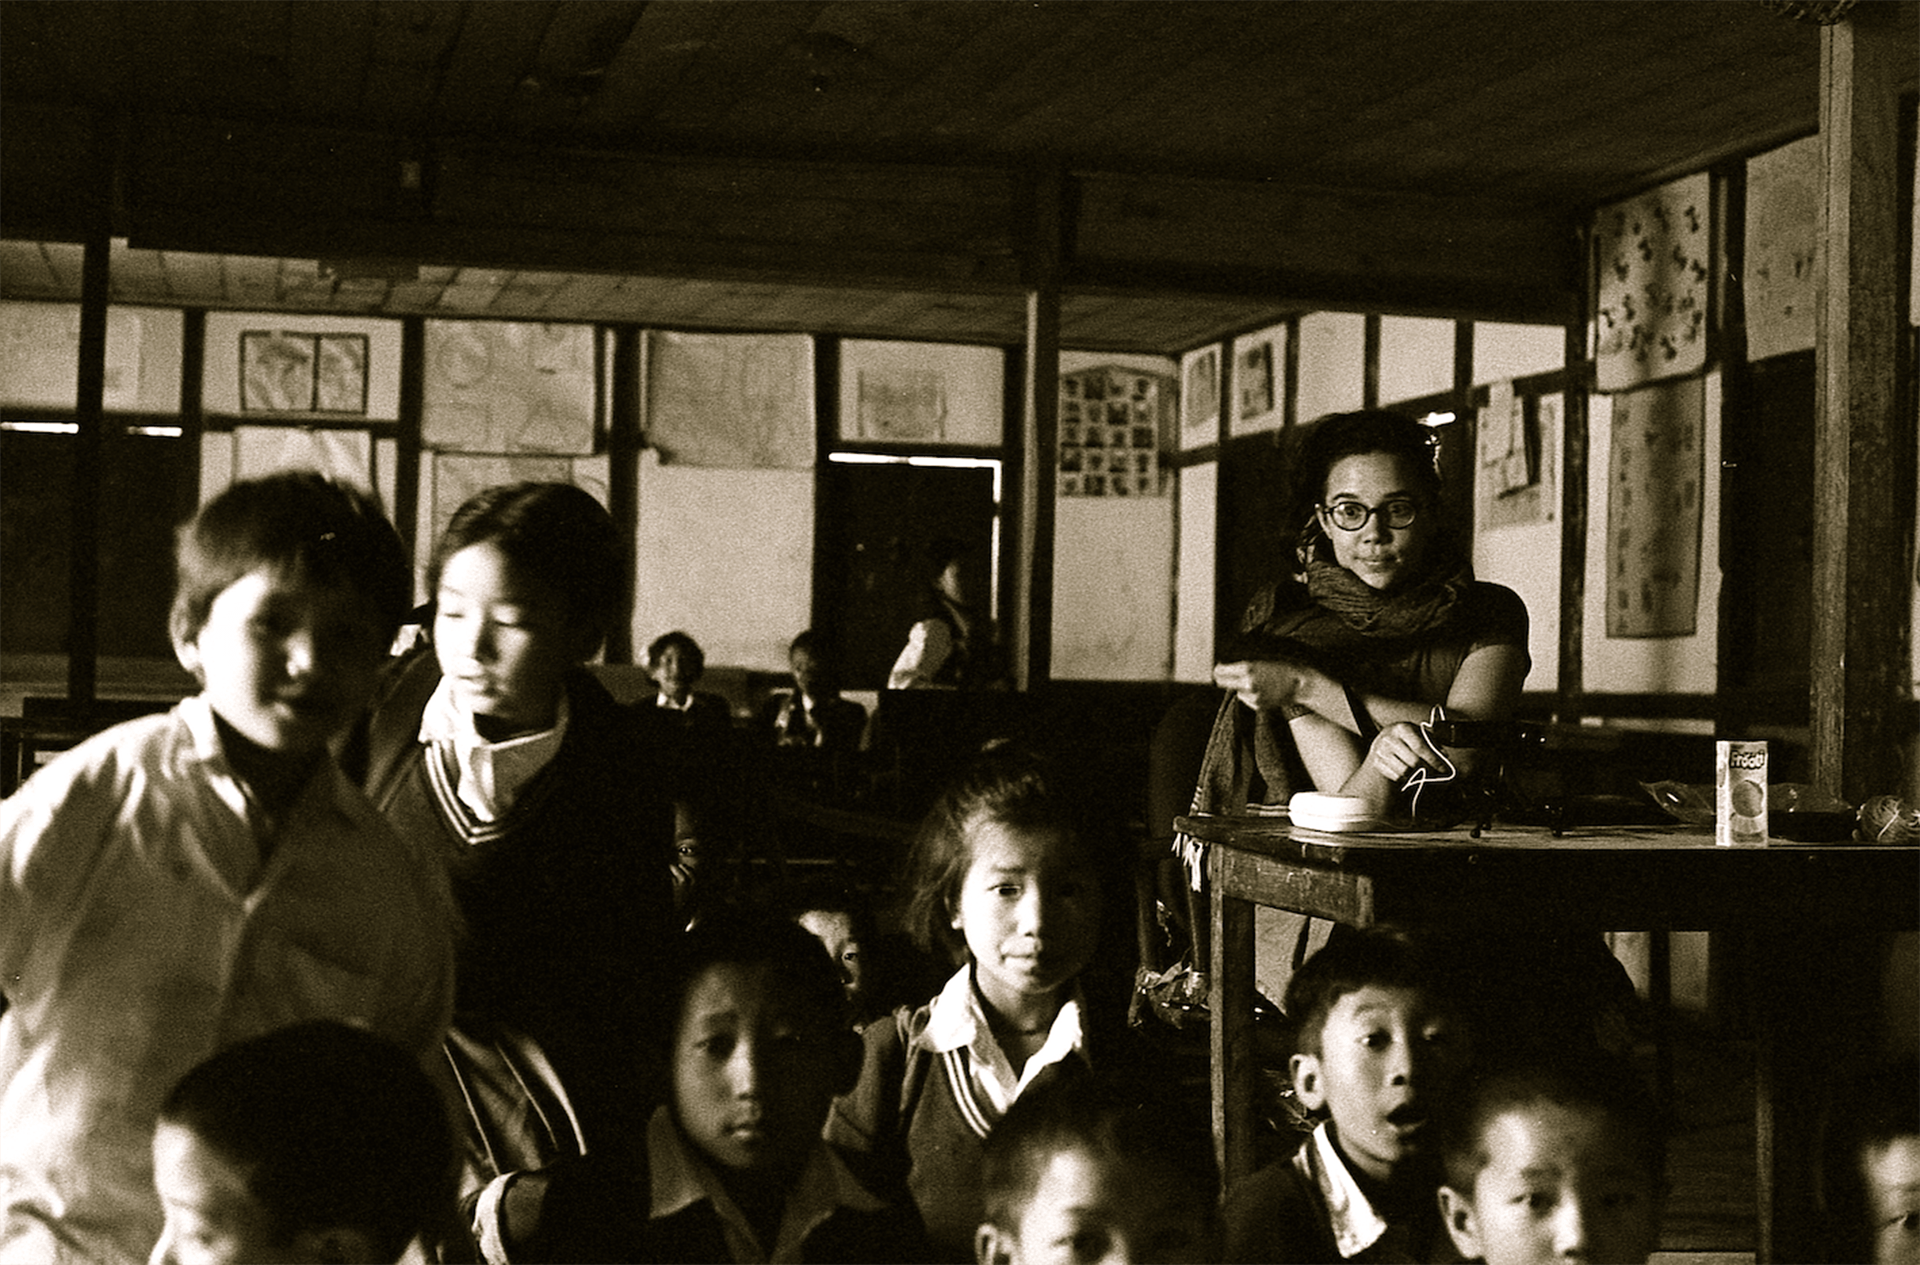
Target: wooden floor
(1710, 1161)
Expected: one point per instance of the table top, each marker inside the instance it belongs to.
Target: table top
(1616, 877)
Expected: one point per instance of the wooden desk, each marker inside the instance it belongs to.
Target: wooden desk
(1779, 899)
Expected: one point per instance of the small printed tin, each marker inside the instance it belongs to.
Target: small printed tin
(1740, 794)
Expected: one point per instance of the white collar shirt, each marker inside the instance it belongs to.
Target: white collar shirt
(957, 1021)
(140, 931)
(680, 1178)
(492, 774)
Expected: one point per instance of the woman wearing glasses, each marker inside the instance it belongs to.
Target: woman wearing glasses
(1339, 667)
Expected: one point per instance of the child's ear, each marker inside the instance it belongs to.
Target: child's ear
(991, 1246)
(187, 650)
(1305, 1070)
(1456, 1211)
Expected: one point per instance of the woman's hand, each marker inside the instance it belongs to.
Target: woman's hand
(1262, 684)
(1399, 749)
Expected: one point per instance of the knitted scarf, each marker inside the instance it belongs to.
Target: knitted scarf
(1339, 624)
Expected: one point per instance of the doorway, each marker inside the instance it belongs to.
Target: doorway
(882, 512)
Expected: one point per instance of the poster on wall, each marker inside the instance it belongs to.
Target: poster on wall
(1653, 256)
(1259, 381)
(1110, 431)
(287, 371)
(731, 401)
(508, 386)
(1515, 483)
(951, 394)
(900, 404)
(1200, 398)
(1783, 201)
(1653, 511)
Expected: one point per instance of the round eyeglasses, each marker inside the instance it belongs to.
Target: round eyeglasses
(1352, 515)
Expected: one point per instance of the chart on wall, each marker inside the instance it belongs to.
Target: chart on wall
(1653, 256)
(1653, 511)
(1111, 422)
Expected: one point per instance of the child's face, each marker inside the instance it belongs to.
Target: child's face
(503, 640)
(755, 1068)
(1892, 1170)
(1089, 1207)
(806, 671)
(1561, 1183)
(673, 672)
(834, 929)
(285, 660)
(1386, 1058)
(1029, 909)
(212, 1218)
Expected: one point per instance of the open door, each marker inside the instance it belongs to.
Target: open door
(877, 521)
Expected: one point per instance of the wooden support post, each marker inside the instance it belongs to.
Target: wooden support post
(1570, 688)
(1859, 652)
(83, 539)
(1032, 633)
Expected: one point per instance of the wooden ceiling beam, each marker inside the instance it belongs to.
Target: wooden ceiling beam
(230, 187)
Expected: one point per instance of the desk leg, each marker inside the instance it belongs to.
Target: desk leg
(1814, 1021)
(1234, 1068)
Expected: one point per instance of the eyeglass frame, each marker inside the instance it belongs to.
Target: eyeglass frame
(1383, 510)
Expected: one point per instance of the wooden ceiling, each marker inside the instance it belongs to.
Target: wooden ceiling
(898, 168)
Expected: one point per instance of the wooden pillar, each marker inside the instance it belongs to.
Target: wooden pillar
(1859, 653)
(1811, 1014)
(1032, 632)
(83, 540)
(624, 405)
(1570, 688)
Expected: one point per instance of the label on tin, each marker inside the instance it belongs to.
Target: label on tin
(1740, 793)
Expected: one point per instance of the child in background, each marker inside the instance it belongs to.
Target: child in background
(1009, 874)
(733, 1168)
(1378, 1047)
(1077, 1171)
(1872, 1167)
(318, 1142)
(1554, 1160)
(676, 663)
(842, 920)
(185, 881)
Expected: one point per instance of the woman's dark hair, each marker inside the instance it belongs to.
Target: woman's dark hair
(298, 521)
(333, 1126)
(1014, 785)
(689, 650)
(1338, 435)
(554, 532)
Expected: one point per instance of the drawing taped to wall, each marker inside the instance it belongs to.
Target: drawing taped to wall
(1653, 258)
(1200, 398)
(508, 386)
(902, 404)
(285, 371)
(1653, 511)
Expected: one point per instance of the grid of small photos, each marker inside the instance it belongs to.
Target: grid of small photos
(1111, 422)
